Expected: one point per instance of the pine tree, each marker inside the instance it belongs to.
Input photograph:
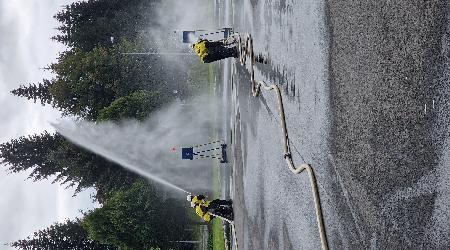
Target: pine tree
(68, 235)
(87, 82)
(84, 169)
(50, 155)
(33, 92)
(31, 152)
(87, 24)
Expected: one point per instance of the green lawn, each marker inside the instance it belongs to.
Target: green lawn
(217, 228)
(218, 240)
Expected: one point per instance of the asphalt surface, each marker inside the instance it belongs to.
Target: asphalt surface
(365, 88)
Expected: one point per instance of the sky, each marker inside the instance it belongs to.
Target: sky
(25, 46)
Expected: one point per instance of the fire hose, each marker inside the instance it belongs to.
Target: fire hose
(245, 46)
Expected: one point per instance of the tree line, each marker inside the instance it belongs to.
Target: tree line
(95, 81)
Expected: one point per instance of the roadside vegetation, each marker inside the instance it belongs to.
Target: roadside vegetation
(217, 235)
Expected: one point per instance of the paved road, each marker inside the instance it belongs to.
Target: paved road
(366, 94)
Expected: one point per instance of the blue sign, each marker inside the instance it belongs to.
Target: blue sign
(187, 153)
(187, 36)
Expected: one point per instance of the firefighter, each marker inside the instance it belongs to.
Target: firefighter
(204, 208)
(213, 51)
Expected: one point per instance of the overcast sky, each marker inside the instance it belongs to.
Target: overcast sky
(25, 29)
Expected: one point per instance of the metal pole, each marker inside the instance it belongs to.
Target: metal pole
(158, 53)
(187, 241)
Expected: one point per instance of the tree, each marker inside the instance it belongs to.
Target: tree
(33, 92)
(84, 81)
(138, 218)
(50, 155)
(137, 105)
(31, 152)
(87, 82)
(68, 235)
(83, 169)
(87, 24)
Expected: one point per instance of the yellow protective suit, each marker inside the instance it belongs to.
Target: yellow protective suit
(197, 199)
(201, 210)
(200, 49)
